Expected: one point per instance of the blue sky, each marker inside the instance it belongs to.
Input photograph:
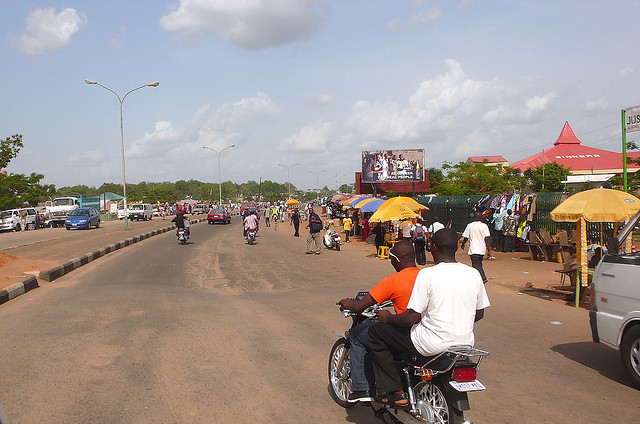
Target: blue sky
(306, 81)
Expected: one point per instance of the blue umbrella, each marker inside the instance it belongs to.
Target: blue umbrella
(372, 206)
(358, 200)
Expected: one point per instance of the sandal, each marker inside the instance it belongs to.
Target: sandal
(395, 400)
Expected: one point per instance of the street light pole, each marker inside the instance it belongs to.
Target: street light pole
(219, 174)
(289, 175)
(121, 100)
(317, 184)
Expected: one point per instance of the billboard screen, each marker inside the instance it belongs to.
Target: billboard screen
(392, 165)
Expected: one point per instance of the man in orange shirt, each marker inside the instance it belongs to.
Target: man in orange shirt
(397, 288)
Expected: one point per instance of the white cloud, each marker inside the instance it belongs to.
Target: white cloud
(48, 32)
(600, 105)
(321, 99)
(312, 138)
(428, 15)
(511, 114)
(251, 25)
(437, 103)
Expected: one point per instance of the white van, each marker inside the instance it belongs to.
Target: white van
(140, 211)
(615, 298)
(11, 219)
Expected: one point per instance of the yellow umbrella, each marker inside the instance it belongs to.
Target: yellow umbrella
(392, 213)
(596, 205)
(405, 201)
(292, 202)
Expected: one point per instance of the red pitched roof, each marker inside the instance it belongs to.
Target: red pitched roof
(568, 151)
(490, 158)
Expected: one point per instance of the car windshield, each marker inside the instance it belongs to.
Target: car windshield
(5, 214)
(79, 212)
(217, 210)
(62, 202)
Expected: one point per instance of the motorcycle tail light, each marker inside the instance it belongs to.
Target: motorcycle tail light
(464, 374)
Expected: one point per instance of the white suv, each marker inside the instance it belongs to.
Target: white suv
(615, 296)
(11, 219)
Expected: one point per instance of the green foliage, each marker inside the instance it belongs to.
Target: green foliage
(9, 149)
(554, 174)
(478, 178)
(18, 190)
(347, 188)
(390, 193)
(436, 177)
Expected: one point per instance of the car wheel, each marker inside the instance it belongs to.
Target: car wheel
(98, 224)
(630, 353)
(68, 228)
(17, 228)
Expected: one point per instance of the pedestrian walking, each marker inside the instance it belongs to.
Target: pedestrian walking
(419, 235)
(479, 237)
(315, 226)
(346, 225)
(295, 221)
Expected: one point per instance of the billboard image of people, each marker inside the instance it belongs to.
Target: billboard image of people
(392, 165)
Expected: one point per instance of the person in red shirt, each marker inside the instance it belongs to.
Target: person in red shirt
(397, 288)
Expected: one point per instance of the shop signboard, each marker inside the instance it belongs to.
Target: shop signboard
(393, 165)
(632, 119)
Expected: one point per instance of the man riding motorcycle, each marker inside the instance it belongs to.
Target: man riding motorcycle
(397, 288)
(182, 222)
(250, 222)
(446, 301)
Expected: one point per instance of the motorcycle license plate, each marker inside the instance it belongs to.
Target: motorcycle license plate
(470, 386)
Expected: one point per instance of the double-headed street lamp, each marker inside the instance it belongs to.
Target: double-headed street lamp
(121, 100)
(289, 175)
(219, 175)
(317, 184)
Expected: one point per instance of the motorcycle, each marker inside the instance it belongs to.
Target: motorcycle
(437, 386)
(251, 236)
(182, 236)
(331, 239)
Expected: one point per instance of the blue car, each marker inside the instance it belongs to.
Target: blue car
(82, 218)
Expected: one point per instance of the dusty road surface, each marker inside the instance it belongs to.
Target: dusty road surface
(218, 331)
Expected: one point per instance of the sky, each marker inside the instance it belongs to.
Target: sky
(306, 82)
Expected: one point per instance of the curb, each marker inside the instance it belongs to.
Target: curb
(51, 274)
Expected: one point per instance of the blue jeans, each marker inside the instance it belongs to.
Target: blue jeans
(362, 377)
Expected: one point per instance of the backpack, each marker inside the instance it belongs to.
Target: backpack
(419, 233)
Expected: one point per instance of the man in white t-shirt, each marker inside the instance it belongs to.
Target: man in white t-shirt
(479, 236)
(446, 301)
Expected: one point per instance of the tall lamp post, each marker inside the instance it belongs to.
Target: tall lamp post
(219, 175)
(289, 175)
(121, 100)
(317, 184)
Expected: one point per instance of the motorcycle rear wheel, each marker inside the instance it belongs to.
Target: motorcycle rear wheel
(337, 247)
(433, 395)
(340, 374)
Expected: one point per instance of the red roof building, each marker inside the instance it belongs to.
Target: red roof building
(569, 152)
(492, 160)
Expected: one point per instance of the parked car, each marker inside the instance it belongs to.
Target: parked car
(219, 215)
(11, 219)
(120, 212)
(140, 211)
(615, 302)
(82, 218)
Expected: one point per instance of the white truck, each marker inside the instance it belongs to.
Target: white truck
(615, 298)
(59, 209)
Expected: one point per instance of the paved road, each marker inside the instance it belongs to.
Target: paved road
(218, 331)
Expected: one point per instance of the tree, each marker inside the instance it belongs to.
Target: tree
(9, 149)
(478, 178)
(436, 177)
(548, 177)
(18, 189)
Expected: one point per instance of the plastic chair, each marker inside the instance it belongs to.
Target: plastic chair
(383, 252)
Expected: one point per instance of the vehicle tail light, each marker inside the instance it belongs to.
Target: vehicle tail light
(464, 374)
